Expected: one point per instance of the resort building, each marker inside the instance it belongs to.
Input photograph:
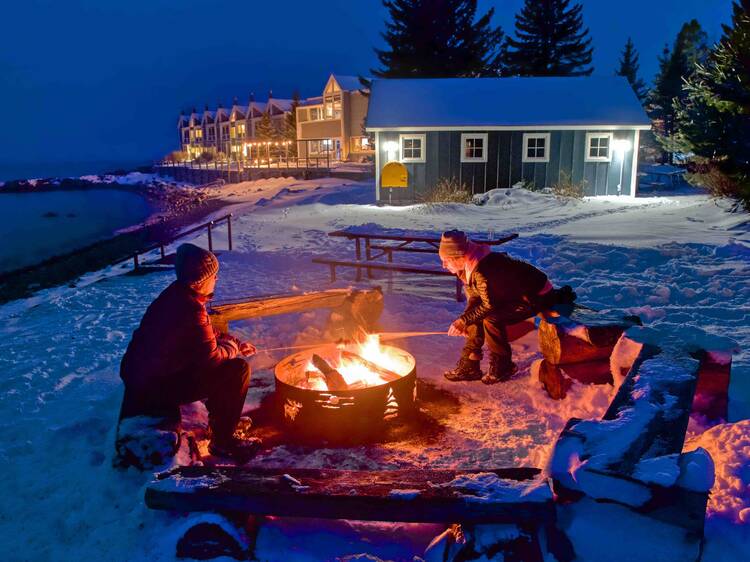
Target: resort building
(332, 124)
(228, 131)
(329, 126)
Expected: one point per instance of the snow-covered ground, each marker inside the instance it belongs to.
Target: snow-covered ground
(680, 262)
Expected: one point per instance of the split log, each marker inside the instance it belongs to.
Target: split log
(514, 495)
(385, 374)
(334, 379)
(557, 379)
(712, 393)
(580, 338)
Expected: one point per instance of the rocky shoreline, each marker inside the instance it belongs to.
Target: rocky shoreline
(175, 208)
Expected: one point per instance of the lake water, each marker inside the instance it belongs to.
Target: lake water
(36, 226)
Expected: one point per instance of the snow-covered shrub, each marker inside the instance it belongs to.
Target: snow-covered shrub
(448, 190)
(566, 187)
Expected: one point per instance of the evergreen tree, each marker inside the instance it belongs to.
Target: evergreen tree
(551, 41)
(713, 119)
(290, 125)
(439, 38)
(629, 68)
(264, 130)
(675, 66)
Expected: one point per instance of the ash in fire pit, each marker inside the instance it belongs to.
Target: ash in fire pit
(344, 392)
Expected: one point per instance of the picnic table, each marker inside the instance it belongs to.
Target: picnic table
(378, 245)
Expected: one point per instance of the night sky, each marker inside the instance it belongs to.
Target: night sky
(103, 81)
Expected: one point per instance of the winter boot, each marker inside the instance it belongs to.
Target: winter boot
(501, 369)
(235, 448)
(466, 370)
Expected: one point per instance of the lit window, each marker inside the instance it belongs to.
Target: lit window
(598, 147)
(535, 147)
(412, 148)
(474, 147)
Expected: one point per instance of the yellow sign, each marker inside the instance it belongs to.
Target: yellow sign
(394, 174)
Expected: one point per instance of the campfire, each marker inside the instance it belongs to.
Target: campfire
(339, 390)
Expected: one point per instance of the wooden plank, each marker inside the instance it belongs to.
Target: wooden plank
(395, 495)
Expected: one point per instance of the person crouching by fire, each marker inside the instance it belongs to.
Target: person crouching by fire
(175, 357)
(500, 291)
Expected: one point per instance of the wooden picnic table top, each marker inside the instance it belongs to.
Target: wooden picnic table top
(351, 235)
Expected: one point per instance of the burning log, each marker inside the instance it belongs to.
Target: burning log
(385, 374)
(334, 379)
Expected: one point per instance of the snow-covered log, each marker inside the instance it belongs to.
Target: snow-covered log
(355, 307)
(584, 336)
(633, 457)
(146, 442)
(513, 496)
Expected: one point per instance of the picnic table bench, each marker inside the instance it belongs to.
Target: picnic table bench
(379, 244)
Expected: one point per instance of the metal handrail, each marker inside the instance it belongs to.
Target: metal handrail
(207, 225)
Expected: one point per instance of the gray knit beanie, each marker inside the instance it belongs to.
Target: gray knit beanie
(193, 264)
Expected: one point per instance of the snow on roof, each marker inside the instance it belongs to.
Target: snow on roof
(284, 105)
(311, 101)
(504, 102)
(347, 83)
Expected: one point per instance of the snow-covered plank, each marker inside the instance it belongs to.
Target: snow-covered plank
(515, 495)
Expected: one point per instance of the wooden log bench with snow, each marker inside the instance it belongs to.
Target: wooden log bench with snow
(351, 309)
(514, 495)
(630, 465)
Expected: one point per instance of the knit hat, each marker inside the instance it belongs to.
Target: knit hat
(453, 244)
(194, 265)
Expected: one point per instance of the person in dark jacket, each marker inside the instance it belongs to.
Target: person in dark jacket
(176, 357)
(500, 291)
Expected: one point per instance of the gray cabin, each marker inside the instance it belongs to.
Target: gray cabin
(496, 132)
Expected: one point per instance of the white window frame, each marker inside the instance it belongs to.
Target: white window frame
(525, 154)
(423, 150)
(464, 138)
(590, 136)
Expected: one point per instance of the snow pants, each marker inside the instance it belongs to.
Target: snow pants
(491, 329)
(224, 388)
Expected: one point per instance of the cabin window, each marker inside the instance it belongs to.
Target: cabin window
(315, 114)
(474, 147)
(412, 148)
(535, 147)
(598, 147)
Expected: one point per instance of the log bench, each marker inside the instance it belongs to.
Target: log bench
(514, 495)
(632, 459)
(391, 267)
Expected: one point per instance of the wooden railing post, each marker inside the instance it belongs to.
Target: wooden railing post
(135, 261)
(210, 238)
(229, 231)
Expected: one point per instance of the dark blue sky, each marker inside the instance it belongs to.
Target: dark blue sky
(98, 80)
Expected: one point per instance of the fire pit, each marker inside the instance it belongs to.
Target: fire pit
(349, 391)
